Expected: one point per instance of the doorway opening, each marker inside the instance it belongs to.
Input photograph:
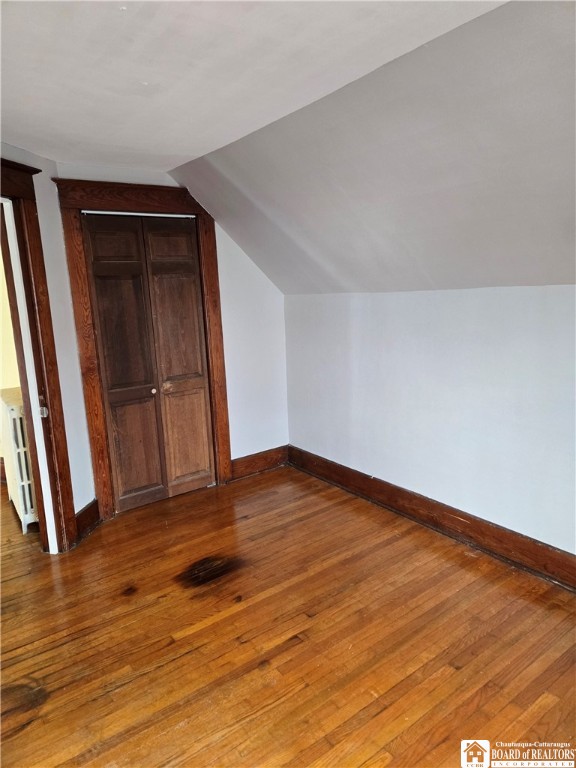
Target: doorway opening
(29, 301)
(13, 432)
(21, 438)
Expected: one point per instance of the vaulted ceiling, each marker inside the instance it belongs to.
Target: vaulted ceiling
(345, 146)
(155, 84)
(450, 167)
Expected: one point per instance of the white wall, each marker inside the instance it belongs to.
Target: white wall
(464, 396)
(63, 322)
(9, 376)
(254, 351)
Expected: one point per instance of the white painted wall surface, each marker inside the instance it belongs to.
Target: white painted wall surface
(254, 350)
(9, 376)
(63, 322)
(464, 396)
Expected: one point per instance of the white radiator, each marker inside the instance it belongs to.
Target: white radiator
(16, 458)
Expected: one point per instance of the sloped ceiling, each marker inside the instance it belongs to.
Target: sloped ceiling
(450, 167)
(156, 84)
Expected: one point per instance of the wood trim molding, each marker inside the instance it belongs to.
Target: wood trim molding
(2, 470)
(75, 196)
(91, 381)
(137, 198)
(54, 426)
(259, 462)
(17, 181)
(215, 346)
(527, 553)
(87, 519)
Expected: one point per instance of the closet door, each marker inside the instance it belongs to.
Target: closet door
(177, 316)
(120, 296)
(147, 300)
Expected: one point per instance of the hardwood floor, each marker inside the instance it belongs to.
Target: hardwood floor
(338, 634)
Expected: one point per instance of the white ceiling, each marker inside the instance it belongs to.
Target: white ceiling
(451, 167)
(345, 146)
(156, 84)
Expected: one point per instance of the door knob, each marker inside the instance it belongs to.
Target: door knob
(153, 391)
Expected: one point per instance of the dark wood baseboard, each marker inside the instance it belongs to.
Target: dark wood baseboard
(529, 554)
(87, 519)
(2, 470)
(259, 462)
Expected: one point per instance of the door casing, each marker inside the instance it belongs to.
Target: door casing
(18, 186)
(76, 196)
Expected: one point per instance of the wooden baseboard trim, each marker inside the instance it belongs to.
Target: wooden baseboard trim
(259, 462)
(87, 519)
(522, 551)
(2, 470)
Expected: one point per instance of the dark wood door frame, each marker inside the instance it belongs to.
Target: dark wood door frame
(76, 196)
(18, 186)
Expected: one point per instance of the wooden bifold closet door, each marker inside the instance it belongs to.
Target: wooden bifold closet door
(147, 304)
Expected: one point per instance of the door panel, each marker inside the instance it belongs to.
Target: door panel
(121, 307)
(178, 332)
(169, 246)
(126, 350)
(188, 454)
(138, 469)
(180, 352)
(117, 246)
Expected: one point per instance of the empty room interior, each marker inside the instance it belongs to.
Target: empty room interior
(287, 384)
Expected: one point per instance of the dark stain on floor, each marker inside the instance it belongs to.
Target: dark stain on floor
(208, 569)
(20, 706)
(130, 590)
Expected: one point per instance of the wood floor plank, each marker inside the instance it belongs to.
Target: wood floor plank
(342, 636)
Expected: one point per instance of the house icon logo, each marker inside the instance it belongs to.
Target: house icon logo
(475, 754)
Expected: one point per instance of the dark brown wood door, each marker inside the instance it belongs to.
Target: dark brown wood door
(151, 346)
(176, 296)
